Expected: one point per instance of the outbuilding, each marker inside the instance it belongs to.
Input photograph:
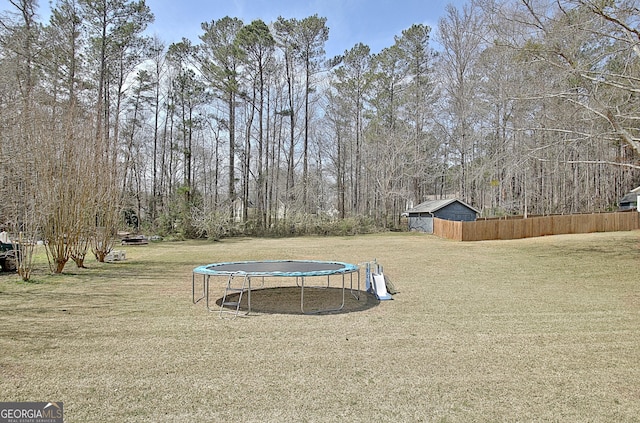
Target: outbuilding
(421, 216)
(630, 201)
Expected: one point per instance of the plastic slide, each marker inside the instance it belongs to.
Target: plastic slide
(380, 287)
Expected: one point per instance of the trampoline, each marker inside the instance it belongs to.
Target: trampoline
(239, 274)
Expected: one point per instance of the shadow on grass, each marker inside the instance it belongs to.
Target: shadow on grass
(287, 300)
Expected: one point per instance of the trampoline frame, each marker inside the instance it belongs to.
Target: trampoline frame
(214, 269)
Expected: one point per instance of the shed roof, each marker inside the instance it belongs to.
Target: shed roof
(432, 206)
(631, 197)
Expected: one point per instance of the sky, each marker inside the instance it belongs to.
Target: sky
(371, 22)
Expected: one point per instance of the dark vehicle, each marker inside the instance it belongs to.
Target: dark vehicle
(8, 257)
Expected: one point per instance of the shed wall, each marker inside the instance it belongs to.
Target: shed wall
(457, 212)
(421, 223)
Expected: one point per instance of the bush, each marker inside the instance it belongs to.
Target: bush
(216, 224)
(211, 225)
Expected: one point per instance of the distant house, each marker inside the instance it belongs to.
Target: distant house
(630, 201)
(421, 216)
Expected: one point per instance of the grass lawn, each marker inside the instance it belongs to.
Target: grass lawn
(544, 329)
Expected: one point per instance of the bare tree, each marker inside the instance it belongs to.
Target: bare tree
(352, 84)
(259, 44)
(219, 57)
(21, 123)
(461, 35)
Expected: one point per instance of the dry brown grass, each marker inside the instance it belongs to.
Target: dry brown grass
(544, 329)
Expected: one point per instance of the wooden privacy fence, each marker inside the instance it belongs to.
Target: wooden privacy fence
(536, 226)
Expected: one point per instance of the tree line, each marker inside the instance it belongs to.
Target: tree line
(521, 107)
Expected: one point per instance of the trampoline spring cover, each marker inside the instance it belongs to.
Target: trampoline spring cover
(285, 268)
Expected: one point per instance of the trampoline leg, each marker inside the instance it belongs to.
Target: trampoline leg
(355, 294)
(301, 294)
(342, 305)
(249, 295)
(207, 289)
(193, 288)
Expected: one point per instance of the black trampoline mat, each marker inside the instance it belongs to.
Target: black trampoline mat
(279, 267)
